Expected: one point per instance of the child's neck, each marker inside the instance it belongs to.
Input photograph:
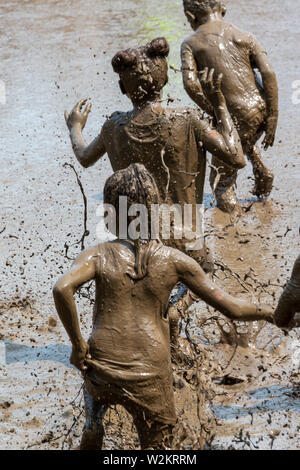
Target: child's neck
(154, 106)
(212, 17)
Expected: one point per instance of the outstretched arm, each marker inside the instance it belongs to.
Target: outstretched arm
(87, 155)
(190, 79)
(222, 142)
(260, 60)
(192, 275)
(82, 271)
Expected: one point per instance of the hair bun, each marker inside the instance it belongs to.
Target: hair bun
(158, 47)
(123, 59)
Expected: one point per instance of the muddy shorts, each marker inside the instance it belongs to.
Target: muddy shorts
(251, 130)
(153, 396)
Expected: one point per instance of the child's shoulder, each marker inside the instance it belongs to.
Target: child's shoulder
(195, 39)
(116, 118)
(239, 36)
(185, 113)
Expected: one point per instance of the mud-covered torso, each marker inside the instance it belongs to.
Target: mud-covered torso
(228, 50)
(130, 327)
(167, 143)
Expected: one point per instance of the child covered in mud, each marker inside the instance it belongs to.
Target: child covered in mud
(289, 302)
(253, 104)
(171, 143)
(127, 358)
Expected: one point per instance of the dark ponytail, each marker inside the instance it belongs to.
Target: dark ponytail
(158, 47)
(124, 59)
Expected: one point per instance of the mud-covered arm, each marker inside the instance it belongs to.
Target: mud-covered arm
(259, 60)
(86, 155)
(190, 79)
(82, 271)
(224, 141)
(192, 275)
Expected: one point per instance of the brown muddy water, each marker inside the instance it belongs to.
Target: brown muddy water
(52, 54)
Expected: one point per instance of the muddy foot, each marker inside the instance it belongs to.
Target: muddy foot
(263, 183)
(178, 357)
(227, 201)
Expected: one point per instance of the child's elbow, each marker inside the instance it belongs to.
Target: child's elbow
(240, 164)
(60, 289)
(268, 74)
(84, 162)
(238, 161)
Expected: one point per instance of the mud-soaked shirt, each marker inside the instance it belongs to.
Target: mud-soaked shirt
(130, 341)
(169, 144)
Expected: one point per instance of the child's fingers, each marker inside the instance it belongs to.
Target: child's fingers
(88, 108)
(210, 77)
(219, 80)
(205, 73)
(80, 104)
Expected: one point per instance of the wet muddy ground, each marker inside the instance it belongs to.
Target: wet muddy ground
(52, 54)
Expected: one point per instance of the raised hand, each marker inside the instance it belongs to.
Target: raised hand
(78, 115)
(211, 86)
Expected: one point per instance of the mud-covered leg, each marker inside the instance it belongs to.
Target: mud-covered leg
(93, 431)
(153, 435)
(222, 181)
(263, 176)
(174, 328)
(179, 303)
(182, 299)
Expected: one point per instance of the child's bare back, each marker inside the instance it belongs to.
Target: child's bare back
(130, 316)
(232, 52)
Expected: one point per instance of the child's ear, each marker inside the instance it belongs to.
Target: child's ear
(223, 9)
(122, 88)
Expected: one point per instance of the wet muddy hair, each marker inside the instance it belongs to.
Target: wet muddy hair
(139, 186)
(195, 8)
(159, 47)
(144, 70)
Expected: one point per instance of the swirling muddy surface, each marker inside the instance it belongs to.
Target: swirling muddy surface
(52, 54)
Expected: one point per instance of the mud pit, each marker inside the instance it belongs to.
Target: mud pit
(49, 62)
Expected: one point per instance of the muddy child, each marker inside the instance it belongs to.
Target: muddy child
(252, 98)
(126, 360)
(171, 143)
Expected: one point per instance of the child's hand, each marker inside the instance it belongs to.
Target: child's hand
(79, 356)
(267, 312)
(270, 128)
(211, 87)
(77, 116)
